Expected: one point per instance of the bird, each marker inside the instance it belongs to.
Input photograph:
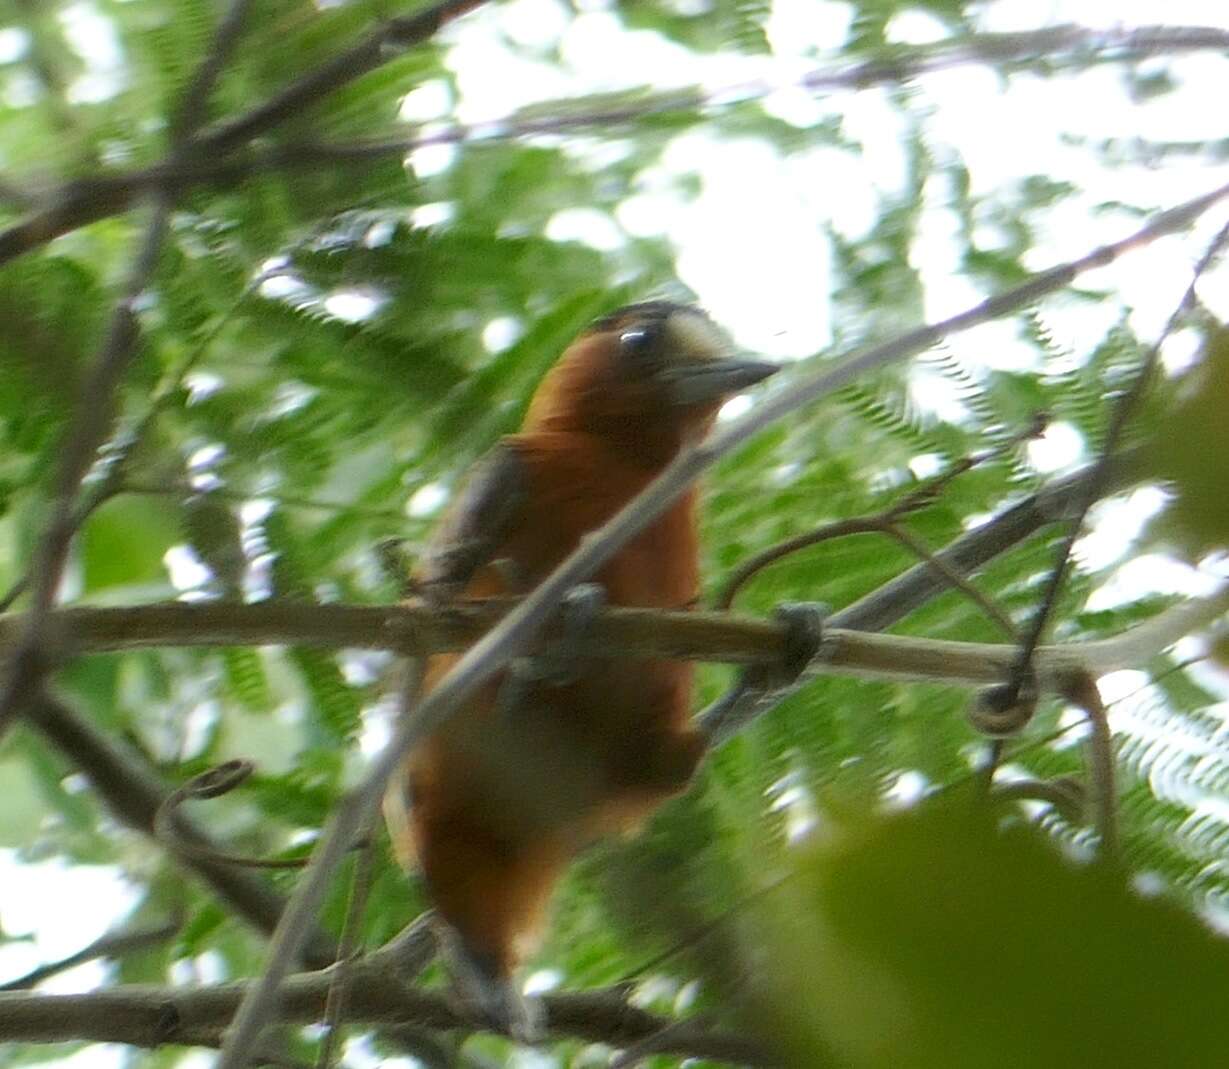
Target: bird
(551, 756)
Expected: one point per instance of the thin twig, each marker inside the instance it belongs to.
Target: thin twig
(1124, 409)
(1080, 688)
(372, 51)
(954, 578)
(513, 634)
(88, 200)
(880, 521)
(212, 783)
(339, 987)
(111, 945)
(194, 106)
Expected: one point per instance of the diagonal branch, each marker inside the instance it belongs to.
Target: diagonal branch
(1123, 410)
(111, 945)
(372, 51)
(192, 108)
(26, 666)
(897, 598)
(512, 635)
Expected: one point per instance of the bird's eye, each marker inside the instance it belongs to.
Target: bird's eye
(640, 344)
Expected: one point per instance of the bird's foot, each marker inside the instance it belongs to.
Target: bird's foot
(560, 663)
(804, 633)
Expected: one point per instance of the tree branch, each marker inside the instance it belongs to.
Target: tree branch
(193, 106)
(377, 48)
(897, 598)
(417, 630)
(27, 664)
(145, 1016)
(86, 201)
(111, 945)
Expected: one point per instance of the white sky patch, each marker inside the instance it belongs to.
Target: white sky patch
(535, 23)
(1122, 685)
(909, 788)
(926, 465)
(435, 213)
(281, 287)
(915, 28)
(802, 27)
(353, 306)
(791, 797)
(426, 500)
(427, 101)
(186, 570)
(937, 394)
(95, 40)
(502, 333)
(1115, 524)
(748, 259)
(1213, 290)
(44, 899)
(1060, 448)
(996, 345)
(13, 44)
(870, 118)
(541, 981)
(1152, 573)
(851, 202)
(734, 407)
(430, 160)
(646, 215)
(376, 728)
(588, 226)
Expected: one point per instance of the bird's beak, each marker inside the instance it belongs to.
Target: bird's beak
(700, 382)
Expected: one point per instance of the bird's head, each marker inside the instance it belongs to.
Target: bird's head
(647, 377)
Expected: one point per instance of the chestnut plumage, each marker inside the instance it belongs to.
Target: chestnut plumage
(494, 805)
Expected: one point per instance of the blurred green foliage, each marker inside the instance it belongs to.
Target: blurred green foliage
(274, 437)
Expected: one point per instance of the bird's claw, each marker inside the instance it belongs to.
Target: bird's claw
(804, 634)
(561, 663)
(804, 622)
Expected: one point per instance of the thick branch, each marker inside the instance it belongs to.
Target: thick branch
(153, 1016)
(372, 51)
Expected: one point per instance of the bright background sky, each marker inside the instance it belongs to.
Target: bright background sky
(752, 247)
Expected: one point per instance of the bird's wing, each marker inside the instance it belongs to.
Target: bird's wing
(477, 524)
